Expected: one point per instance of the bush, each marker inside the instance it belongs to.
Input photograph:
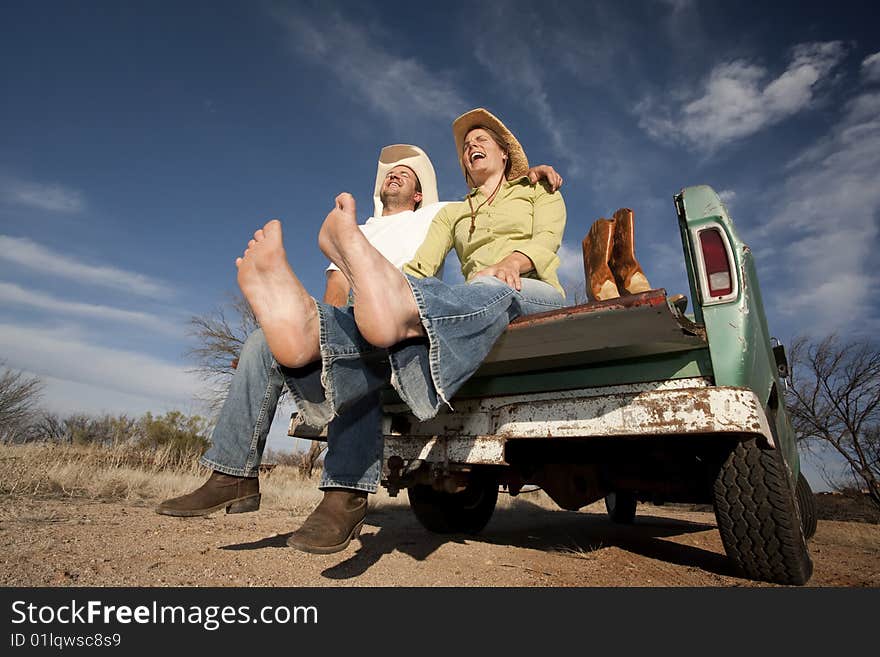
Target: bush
(81, 429)
(181, 436)
(19, 395)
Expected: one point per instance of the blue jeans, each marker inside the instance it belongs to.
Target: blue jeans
(462, 323)
(354, 453)
(342, 389)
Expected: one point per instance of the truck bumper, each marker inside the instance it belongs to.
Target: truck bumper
(476, 433)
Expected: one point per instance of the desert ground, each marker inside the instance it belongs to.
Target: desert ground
(104, 532)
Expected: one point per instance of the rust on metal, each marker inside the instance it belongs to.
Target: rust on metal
(651, 298)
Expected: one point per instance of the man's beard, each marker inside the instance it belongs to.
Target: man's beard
(392, 201)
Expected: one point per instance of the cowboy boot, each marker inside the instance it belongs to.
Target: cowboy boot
(627, 272)
(597, 250)
(237, 494)
(333, 524)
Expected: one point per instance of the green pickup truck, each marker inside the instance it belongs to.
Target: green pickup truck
(628, 400)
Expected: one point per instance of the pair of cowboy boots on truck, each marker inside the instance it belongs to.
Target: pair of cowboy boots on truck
(610, 265)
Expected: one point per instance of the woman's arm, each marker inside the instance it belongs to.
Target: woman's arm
(547, 230)
(430, 255)
(509, 269)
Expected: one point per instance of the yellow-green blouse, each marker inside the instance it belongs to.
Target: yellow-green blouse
(523, 217)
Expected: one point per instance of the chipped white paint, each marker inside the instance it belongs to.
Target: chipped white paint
(489, 403)
(469, 415)
(662, 411)
(452, 449)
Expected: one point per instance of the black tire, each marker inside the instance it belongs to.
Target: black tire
(621, 507)
(756, 510)
(465, 512)
(806, 506)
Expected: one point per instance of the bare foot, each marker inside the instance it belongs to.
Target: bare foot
(285, 311)
(384, 307)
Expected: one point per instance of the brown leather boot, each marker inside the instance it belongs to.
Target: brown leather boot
(333, 524)
(627, 272)
(237, 494)
(597, 250)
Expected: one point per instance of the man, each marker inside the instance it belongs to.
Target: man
(406, 200)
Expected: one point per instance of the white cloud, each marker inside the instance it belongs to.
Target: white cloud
(60, 353)
(571, 269)
(15, 294)
(871, 68)
(26, 253)
(55, 198)
(727, 196)
(827, 217)
(67, 397)
(386, 81)
(518, 70)
(737, 99)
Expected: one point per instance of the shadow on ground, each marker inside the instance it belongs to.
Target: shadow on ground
(525, 526)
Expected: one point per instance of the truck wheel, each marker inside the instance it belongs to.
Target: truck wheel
(621, 507)
(807, 506)
(465, 512)
(756, 510)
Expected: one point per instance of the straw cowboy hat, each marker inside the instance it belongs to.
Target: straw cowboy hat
(519, 163)
(417, 160)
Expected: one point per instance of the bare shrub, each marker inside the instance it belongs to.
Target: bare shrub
(834, 400)
(220, 335)
(19, 396)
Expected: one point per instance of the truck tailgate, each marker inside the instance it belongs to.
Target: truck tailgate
(632, 326)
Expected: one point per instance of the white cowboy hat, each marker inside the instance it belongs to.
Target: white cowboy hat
(519, 163)
(417, 160)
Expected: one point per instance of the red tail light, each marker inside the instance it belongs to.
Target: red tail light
(718, 271)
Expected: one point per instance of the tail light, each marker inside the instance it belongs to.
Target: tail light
(715, 264)
(719, 274)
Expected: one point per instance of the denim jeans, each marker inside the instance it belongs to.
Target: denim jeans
(342, 389)
(462, 323)
(354, 453)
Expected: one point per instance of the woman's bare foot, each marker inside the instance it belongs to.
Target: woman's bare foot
(384, 307)
(285, 311)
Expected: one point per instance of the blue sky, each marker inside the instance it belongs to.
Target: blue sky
(141, 143)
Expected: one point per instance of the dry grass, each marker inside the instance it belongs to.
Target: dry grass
(126, 473)
(138, 476)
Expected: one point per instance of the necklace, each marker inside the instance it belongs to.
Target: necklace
(488, 199)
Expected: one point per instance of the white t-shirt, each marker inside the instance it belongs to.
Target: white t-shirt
(398, 236)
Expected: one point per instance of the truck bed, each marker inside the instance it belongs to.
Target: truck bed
(630, 340)
(634, 325)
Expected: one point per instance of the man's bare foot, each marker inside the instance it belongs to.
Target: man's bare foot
(285, 311)
(384, 307)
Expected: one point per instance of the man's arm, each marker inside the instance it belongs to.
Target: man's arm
(336, 293)
(554, 180)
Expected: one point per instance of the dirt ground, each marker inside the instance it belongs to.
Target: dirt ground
(78, 542)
